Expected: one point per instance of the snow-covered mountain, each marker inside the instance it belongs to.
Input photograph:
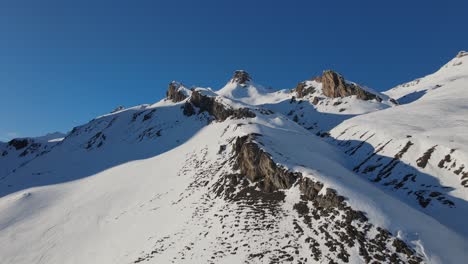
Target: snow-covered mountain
(418, 150)
(19, 151)
(328, 172)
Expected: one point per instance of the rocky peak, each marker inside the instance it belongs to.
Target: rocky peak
(302, 89)
(334, 85)
(219, 111)
(462, 53)
(173, 92)
(241, 77)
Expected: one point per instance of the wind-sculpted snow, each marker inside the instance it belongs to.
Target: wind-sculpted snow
(245, 174)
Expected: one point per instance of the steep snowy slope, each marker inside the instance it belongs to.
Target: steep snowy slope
(412, 91)
(418, 151)
(213, 177)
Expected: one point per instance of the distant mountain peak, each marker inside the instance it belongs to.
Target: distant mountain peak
(241, 77)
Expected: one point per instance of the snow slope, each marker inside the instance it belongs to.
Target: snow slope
(418, 150)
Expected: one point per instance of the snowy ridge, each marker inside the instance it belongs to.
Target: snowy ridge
(455, 69)
(418, 151)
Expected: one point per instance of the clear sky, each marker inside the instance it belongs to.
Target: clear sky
(64, 62)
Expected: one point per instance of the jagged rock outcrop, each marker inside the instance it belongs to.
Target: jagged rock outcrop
(257, 165)
(241, 77)
(118, 108)
(173, 92)
(316, 207)
(302, 89)
(334, 85)
(18, 143)
(216, 109)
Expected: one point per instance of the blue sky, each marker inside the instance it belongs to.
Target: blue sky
(64, 62)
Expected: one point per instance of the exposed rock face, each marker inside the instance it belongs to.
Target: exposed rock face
(302, 89)
(334, 85)
(188, 109)
(324, 212)
(241, 77)
(257, 165)
(173, 93)
(315, 101)
(219, 111)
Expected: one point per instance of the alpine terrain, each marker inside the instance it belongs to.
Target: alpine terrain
(329, 171)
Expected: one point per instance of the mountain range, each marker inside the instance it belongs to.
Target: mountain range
(329, 171)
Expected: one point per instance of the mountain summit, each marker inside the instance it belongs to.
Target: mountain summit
(241, 77)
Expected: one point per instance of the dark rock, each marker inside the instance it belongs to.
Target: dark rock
(309, 188)
(219, 111)
(98, 139)
(296, 118)
(18, 143)
(222, 148)
(33, 147)
(257, 165)
(422, 161)
(118, 108)
(401, 247)
(173, 92)
(462, 54)
(315, 101)
(188, 109)
(241, 77)
(446, 159)
(302, 89)
(334, 85)
(149, 115)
